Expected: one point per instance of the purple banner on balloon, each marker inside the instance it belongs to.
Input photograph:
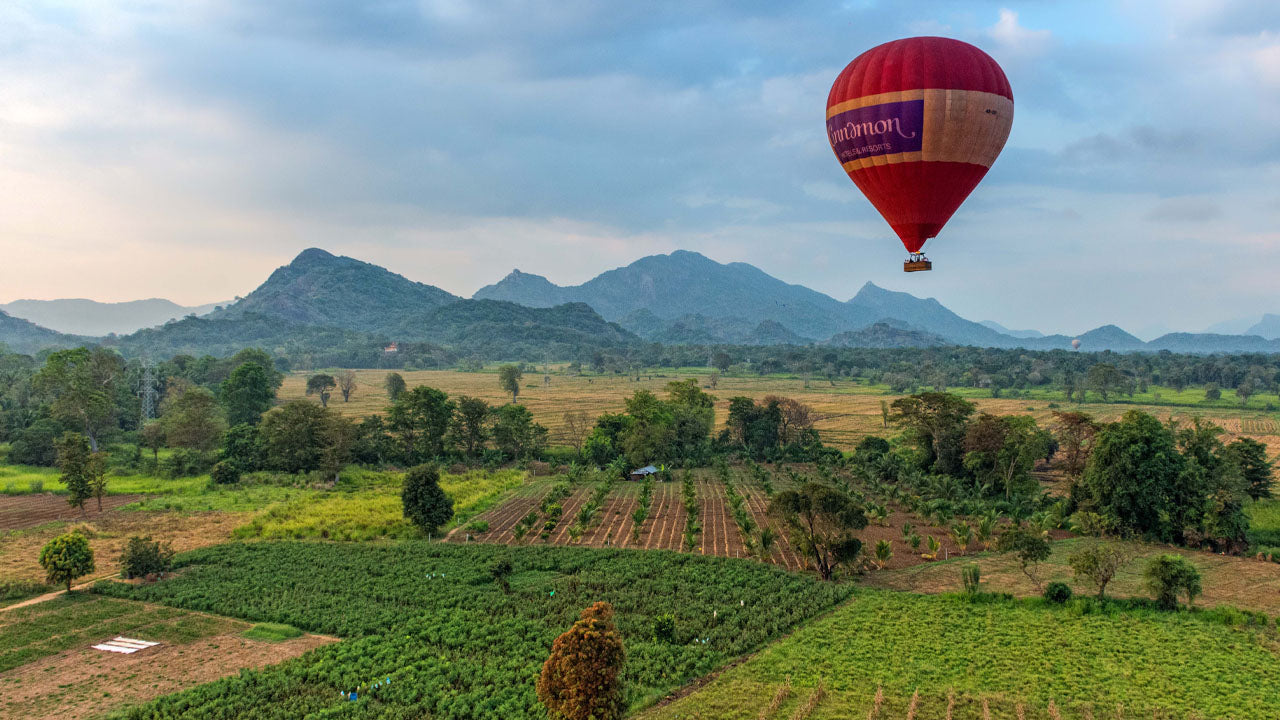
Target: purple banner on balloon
(877, 130)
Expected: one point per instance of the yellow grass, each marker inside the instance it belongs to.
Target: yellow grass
(847, 411)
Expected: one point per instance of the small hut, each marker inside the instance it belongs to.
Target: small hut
(643, 472)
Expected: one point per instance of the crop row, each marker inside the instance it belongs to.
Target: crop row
(430, 617)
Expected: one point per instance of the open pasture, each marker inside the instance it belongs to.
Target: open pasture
(48, 669)
(1018, 656)
(846, 410)
(453, 643)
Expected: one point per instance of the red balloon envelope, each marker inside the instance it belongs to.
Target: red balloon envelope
(916, 124)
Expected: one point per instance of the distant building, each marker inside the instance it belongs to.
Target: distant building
(391, 349)
(643, 472)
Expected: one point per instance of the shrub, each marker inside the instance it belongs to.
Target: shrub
(1099, 564)
(971, 576)
(501, 571)
(66, 558)
(225, 472)
(664, 628)
(478, 526)
(1169, 576)
(581, 679)
(142, 557)
(184, 463)
(1057, 592)
(425, 503)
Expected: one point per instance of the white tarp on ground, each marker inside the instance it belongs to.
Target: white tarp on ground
(124, 645)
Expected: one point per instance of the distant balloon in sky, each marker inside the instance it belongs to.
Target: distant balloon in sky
(916, 123)
(1075, 344)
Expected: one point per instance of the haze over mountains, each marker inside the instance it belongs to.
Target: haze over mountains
(89, 317)
(683, 298)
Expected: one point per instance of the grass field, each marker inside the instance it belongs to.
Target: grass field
(1242, 582)
(367, 506)
(1010, 653)
(847, 410)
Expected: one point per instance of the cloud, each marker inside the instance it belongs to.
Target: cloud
(1016, 39)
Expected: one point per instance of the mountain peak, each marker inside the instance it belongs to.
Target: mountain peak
(311, 256)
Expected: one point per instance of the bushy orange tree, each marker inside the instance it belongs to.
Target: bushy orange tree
(581, 680)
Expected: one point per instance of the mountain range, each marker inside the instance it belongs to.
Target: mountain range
(323, 300)
(92, 318)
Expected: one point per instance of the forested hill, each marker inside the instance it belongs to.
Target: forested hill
(26, 337)
(326, 290)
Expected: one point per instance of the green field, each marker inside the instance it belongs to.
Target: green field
(1008, 652)
(455, 646)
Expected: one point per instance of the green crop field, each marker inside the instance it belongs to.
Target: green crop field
(1009, 653)
(429, 617)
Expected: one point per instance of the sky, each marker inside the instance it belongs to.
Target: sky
(186, 149)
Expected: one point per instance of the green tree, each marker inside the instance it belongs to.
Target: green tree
(509, 377)
(1135, 477)
(248, 392)
(294, 436)
(65, 558)
(821, 521)
(143, 556)
(1212, 392)
(395, 385)
(74, 459)
(1003, 450)
(1248, 457)
(425, 503)
(1105, 378)
(420, 419)
(500, 571)
(83, 385)
(1029, 546)
(470, 425)
(1169, 576)
(516, 434)
(935, 423)
(321, 386)
(151, 437)
(192, 417)
(582, 679)
(1075, 432)
(242, 446)
(1098, 563)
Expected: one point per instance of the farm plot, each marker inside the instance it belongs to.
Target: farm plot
(49, 670)
(1017, 656)
(455, 644)
(19, 512)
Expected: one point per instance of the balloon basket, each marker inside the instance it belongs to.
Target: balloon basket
(916, 265)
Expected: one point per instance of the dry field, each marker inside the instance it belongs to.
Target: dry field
(108, 533)
(18, 512)
(663, 528)
(846, 411)
(80, 682)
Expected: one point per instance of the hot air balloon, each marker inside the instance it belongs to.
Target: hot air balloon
(916, 123)
(1075, 344)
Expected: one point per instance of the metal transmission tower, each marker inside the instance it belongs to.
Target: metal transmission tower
(147, 391)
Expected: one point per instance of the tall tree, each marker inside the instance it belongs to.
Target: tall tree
(192, 417)
(1105, 378)
(936, 424)
(321, 385)
(1135, 477)
(425, 503)
(1249, 458)
(83, 385)
(582, 679)
(395, 385)
(470, 425)
(248, 392)
(821, 521)
(1003, 450)
(420, 420)
(294, 436)
(1075, 431)
(74, 459)
(577, 426)
(509, 377)
(346, 384)
(516, 434)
